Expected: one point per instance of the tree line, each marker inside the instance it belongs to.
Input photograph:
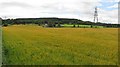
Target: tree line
(54, 22)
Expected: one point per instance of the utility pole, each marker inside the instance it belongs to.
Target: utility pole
(119, 12)
(0, 42)
(0, 22)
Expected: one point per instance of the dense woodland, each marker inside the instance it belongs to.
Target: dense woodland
(54, 22)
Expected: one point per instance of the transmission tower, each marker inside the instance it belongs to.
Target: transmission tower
(96, 15)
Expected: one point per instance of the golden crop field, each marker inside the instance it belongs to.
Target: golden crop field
(35, 45)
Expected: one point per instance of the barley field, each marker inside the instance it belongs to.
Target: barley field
(35, 45)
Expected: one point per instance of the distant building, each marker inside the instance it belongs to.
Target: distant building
(46, 25)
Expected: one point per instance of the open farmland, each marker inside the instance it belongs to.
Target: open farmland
(30, 44)
(81, 26)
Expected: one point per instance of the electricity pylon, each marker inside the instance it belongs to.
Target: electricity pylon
(96, 15)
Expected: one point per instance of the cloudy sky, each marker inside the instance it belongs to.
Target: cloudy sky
(79, 9)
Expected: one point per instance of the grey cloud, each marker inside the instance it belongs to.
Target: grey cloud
(55, 6)
(17, 4)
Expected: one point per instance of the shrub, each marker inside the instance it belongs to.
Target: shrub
(5, 25)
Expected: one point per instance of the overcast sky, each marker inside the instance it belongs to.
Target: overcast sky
(79, 9)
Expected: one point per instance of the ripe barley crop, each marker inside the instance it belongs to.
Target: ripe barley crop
(27, 44)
